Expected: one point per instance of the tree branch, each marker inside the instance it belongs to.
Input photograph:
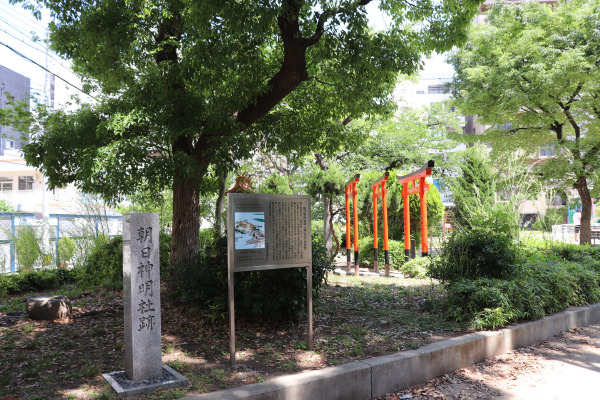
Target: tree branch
(325, 15)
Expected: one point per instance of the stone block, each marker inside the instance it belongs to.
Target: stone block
(141, 297)
(48, 307)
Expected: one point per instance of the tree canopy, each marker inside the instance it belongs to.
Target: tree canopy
(186, 88)
(532, 74)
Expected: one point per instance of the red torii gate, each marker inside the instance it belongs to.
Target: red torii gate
(417, 178)
(351, 191)
(379, 189)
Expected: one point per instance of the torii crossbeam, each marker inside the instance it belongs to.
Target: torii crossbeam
(417, 179)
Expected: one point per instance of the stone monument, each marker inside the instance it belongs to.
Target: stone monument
(144, 370)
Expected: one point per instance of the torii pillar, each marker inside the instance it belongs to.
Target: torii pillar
(351, 191)
(379, 189)
(417, 179)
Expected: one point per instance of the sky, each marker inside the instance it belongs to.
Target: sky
(17, 28)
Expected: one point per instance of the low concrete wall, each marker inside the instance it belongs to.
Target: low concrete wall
(363, 380)
(334, 383)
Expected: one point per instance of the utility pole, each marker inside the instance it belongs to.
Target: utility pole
(1, 107)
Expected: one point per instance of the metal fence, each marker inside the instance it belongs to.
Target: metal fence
(566, 232)
(83, 229)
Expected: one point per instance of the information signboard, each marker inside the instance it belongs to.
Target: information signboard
(268, 231)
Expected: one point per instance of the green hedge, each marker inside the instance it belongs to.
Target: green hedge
(479, 252)
(542, 284)
(35, 280)
(272, 294)
(366, 254)
(416, 268)
(103, 266)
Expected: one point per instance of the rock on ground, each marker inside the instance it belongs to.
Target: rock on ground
(48, 307)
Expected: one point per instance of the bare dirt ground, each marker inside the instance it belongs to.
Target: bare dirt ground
(566, 366)
(354, 319)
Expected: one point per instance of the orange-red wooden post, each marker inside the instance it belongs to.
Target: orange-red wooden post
(406, 202)
(386, 247)
(379, 189)
(421, 187)
(375, 238)
(355, 209)
(348, 236)
(424, 234)
(351, 191)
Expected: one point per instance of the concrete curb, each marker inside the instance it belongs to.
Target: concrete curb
(363, 380)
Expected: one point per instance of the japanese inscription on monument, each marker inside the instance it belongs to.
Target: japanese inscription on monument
(141, 273)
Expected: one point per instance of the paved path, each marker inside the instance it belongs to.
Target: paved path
(566, 366)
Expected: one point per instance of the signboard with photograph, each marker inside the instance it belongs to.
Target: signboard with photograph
(268, 231)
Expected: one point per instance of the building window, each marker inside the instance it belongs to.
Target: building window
(436, 89)
(10, 144)
(420, 92)
(26, 183)
(5, 184)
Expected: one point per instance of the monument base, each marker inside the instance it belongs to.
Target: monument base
(128, 388)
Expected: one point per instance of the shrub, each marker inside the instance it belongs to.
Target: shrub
(545, 220)
(35, 280)
(479, 252)
(416, 268)
(366, 254)
(272, 294)
(66, 249)
(104, 264)
(27, 246)
(543, 285)
(584, 255)
(206, 238)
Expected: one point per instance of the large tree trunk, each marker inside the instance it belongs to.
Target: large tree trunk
(186, 223)
(585, 232)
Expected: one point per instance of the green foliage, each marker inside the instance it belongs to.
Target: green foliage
(145, 202)
(206, 240)
(275, 184)
(475, 187)
(531, 74)
(485, 250)
(27, 246)
(545, 220)
(272, 294)
(543, 284)
(366, 254)
(103, 266)
(5, 206)
(402, 140)
(416, 268)
(66, 248)
(35, 280)
(201, 87)
(583, 255)
(330, 183)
